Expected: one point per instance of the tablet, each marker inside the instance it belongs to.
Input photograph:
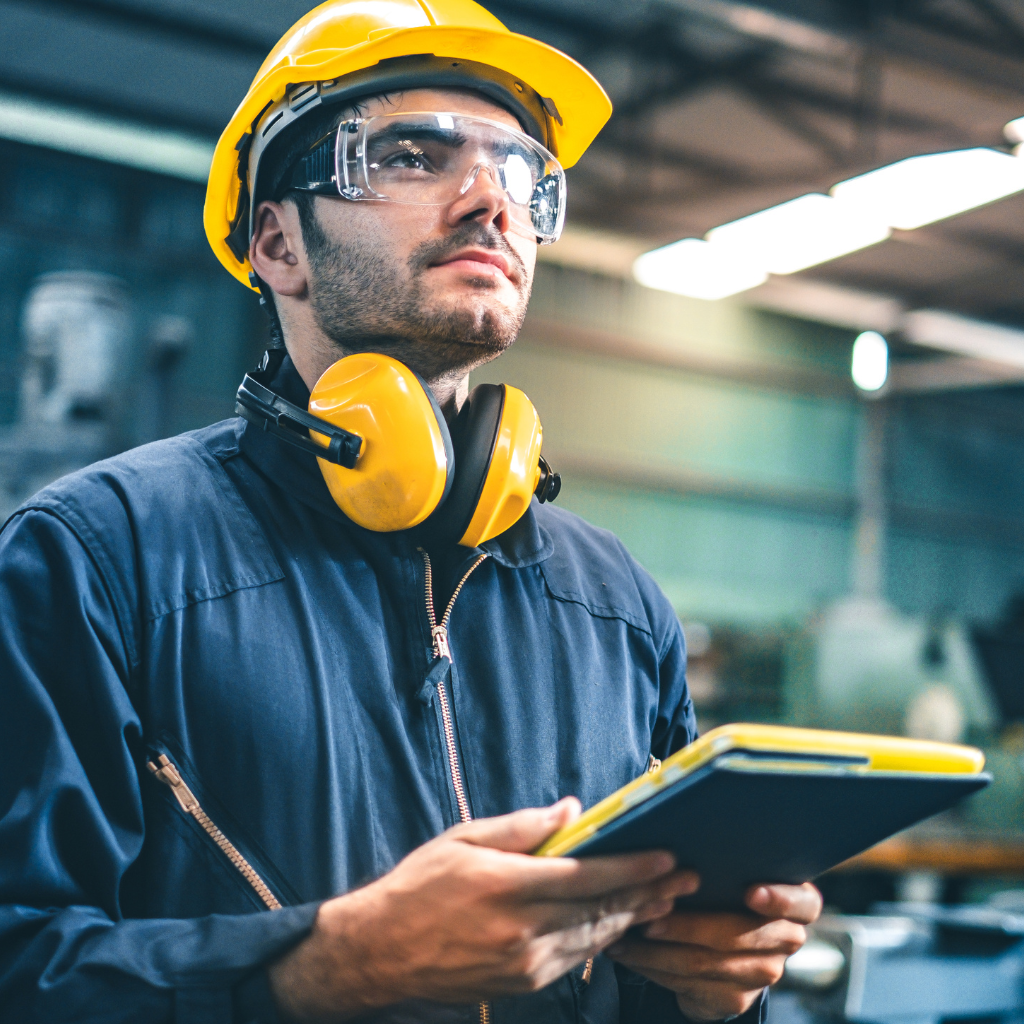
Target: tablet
(749, 804)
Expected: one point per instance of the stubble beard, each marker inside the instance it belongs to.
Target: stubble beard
(364, 300)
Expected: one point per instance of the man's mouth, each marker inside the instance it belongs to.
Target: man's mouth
(480, 261)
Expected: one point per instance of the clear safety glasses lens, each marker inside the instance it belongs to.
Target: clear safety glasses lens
(429, 159)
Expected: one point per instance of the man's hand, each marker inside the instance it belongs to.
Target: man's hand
(718, 963)
(470, 915)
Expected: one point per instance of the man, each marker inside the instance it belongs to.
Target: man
(250, 772)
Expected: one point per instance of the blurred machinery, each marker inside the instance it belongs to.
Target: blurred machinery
(917, 963)
(872, 669)
(78, 370)
(863, 666)
(75, 327)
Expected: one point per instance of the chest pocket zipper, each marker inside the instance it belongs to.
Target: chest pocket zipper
(169, 775)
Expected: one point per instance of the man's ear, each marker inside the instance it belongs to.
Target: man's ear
(276, 251)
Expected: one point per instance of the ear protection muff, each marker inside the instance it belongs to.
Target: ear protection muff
(387, 455)
(498, 467)
(406, 463)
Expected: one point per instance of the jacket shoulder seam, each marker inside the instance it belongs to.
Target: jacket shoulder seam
(269, 572)
(599, 611)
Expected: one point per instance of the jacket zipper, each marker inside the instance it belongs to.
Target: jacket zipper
(439, 636)
(168, 774)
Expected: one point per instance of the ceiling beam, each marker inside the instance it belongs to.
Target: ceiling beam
(173, 26)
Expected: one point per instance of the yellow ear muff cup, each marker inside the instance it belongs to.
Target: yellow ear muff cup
(513, 473)
(497, 463)
(405, 461)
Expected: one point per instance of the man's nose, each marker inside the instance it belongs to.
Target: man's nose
(482, 198)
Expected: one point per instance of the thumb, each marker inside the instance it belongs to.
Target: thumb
(521, 831)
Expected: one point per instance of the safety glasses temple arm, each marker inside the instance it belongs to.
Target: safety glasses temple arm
(314, 171)
(261, 407)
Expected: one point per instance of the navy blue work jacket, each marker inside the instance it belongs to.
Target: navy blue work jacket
(202, 598)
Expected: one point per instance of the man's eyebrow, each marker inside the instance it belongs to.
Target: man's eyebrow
(419, 132)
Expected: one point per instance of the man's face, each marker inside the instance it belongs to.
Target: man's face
(442, 288)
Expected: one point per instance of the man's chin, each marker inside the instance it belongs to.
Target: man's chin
(475, 306)
(482, 325)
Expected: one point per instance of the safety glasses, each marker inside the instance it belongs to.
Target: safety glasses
(430, 159)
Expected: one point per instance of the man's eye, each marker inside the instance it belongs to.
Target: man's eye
(413, 161)
(409, 157)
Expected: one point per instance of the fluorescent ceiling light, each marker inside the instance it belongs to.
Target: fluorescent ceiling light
(869, 362)
(950, 333)
(798, 234)
(697, 269)
(54, 126)
(923, 189)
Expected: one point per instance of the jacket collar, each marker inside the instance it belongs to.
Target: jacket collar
(297, 473)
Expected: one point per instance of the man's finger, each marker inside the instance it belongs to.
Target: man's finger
(728, 933)
(745, 972)
(566, 878)
(519, 832)
(635, 905)
(799, 903)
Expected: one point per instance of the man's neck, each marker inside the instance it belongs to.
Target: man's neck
(450, 389)
(450, 392)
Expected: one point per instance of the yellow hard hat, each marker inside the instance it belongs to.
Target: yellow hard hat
(346, 49)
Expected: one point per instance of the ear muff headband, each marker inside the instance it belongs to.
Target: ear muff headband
(405, 465)
(259, 405)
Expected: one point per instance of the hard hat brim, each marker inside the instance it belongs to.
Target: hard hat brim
(583, 106)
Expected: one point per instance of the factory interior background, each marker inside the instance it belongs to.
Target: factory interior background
(821, 463)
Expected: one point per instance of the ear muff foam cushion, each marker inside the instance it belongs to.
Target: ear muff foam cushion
(475, 433)
(446, 437)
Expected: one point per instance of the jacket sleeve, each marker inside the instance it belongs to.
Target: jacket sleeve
(71, 821)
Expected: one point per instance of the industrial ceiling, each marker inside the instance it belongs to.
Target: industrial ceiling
(722, 108)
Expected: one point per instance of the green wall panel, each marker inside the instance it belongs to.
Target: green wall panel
(598, 406)
(719, 559)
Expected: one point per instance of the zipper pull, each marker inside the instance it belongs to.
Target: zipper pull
(437, 673)
(440, 637)
(168, 774)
